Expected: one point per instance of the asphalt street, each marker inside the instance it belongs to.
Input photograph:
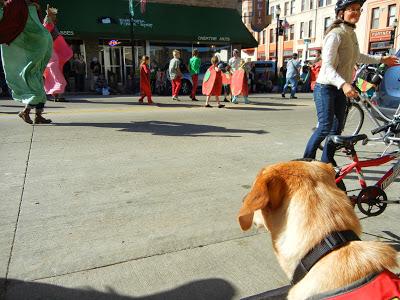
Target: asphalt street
(117, 200)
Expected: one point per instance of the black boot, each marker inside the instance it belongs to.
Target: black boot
(39, 119)
(24, 115)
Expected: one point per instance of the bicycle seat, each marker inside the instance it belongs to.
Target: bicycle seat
(347, 141)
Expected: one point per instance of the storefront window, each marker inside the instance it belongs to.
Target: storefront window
(161, 53)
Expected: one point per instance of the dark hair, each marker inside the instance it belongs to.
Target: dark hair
(195, 52)
(337, 23)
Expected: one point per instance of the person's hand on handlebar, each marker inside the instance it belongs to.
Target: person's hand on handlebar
(349, 91)
(390, 60)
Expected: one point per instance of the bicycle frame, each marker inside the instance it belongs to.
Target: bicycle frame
(358, 165)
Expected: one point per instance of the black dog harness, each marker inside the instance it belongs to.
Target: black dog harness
(333, 241)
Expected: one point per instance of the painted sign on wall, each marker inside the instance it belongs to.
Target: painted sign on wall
(259, 20)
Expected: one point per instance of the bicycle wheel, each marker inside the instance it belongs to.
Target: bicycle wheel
(354, 119)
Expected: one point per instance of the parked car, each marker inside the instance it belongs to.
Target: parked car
(187, 83)
(388, 95)
(265, 66)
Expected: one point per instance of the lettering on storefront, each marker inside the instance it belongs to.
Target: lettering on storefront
(67, 32)
(214, 39)
(136, 22)
(378, 36)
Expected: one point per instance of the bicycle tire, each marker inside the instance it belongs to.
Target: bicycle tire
(354, 119)
(353, 122)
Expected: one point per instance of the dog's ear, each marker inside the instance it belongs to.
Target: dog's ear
(258, 198)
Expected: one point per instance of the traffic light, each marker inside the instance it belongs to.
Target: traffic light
(281, 30)
(392, 35)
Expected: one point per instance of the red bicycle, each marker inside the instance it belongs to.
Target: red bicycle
(371, 200)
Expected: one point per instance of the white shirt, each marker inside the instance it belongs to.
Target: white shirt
(340, 53)
(234, 62)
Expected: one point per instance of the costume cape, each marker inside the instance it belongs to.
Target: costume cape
(55, 82)
(239, 85)
(145, 88)
(212, 82)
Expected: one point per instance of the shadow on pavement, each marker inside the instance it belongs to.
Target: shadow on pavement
(390, 238)
(285, 104)
(135, 102)
(169, 128)
(202, 289)
(255, 108)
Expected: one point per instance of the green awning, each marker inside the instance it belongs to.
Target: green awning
(166, 22)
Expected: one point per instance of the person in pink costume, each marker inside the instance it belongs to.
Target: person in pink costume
(55, 82)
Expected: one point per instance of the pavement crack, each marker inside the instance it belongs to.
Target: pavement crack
(149, 256)
(19, 212)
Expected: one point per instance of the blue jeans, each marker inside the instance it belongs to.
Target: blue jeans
(331, 106)
(293, 82)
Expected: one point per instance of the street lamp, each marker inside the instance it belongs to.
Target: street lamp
(278, 13)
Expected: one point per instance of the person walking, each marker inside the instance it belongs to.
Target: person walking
(292, 76)
(194, 69)
(340, 53)
(239, 83)
(212, 82)
(55, 82)
(175, 74)
(233, 65)
(145, 87)
(26, 48)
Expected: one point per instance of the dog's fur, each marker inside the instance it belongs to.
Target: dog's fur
(299, 203)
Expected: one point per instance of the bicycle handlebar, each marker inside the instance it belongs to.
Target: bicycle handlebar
(381, 128)
(392, 125)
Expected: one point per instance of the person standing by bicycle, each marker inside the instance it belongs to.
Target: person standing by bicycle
(340, 53)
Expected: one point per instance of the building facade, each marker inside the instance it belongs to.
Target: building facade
(106, 31)
(305, 22)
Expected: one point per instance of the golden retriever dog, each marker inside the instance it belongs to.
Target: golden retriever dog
(299, 204)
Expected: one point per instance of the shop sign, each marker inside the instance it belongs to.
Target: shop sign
(382, 35)
(260, 20)
(114, 43)
(67, 32)
(381, 45)
(136, 22)
(288, 52)
(213, 39)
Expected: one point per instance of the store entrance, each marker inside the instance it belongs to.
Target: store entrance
(117, 65)
(111, 60)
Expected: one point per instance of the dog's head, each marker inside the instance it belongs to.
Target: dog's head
(299, 203)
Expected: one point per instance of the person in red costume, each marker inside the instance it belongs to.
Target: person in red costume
(145, 87)
(212, 82)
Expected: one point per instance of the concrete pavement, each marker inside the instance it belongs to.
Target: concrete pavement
(117, 200)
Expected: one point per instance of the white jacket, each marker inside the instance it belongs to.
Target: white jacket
(340, 53)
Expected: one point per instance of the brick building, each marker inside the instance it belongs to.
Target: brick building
(104, 31)
(307, 21)
(380, 16)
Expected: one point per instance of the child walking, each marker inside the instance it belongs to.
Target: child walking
(145, 87)
(239, 83)
(212, 83)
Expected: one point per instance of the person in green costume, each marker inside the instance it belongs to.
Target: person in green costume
(24, 60)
